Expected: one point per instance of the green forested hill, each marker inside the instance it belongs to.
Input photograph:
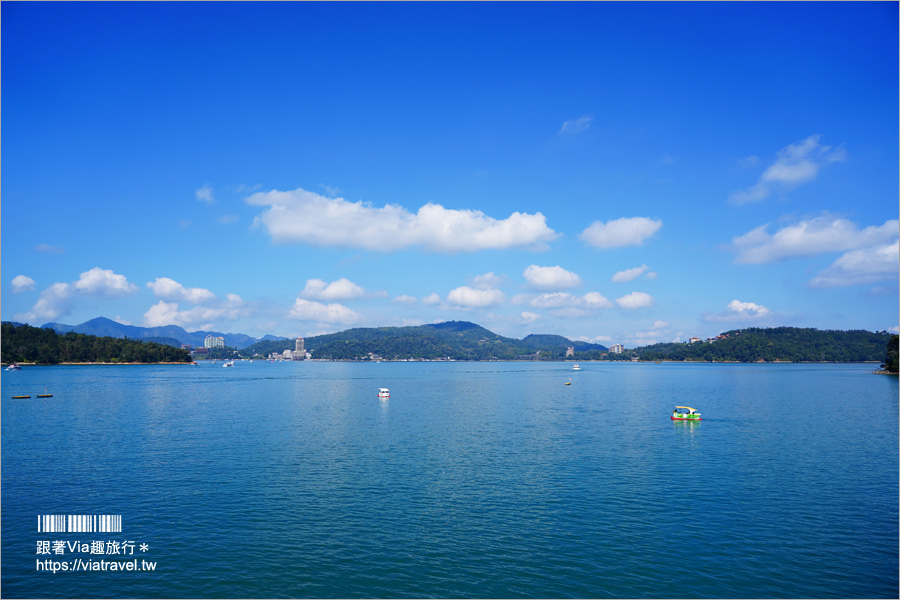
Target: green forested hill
(23, 343)
(790, 344)
(458, 340)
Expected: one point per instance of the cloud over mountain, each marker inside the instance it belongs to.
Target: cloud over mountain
(300, 216)
(58, 299)
(342, 289)
(171, 290)
(739, 312)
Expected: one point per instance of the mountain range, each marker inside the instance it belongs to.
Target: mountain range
(462, 340)
(458, 339)
(169, 334)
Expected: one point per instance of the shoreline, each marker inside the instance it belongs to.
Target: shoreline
(64, 364)
(605, 362)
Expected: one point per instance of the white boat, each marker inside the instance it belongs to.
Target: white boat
(575, 367)
(229, 363)
(13, 367)
(384, 393)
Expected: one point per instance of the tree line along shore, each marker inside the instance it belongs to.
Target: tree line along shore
(35, 345)
(464, 341)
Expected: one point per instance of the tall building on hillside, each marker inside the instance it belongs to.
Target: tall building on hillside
(617, 348)
(299, 349)
(214, 342)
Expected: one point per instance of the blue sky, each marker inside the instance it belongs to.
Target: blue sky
(619, 173)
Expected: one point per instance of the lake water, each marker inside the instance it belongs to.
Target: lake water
(476, 480)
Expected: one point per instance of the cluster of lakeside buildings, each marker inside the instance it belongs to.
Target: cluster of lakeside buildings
(614, 349)
(298, 353)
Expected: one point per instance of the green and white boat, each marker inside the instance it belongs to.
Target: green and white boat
(690, 415)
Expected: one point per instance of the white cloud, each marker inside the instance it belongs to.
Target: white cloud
(529, 317)
(199, 317)
(635, 300)
(748, 308)
(54, 302)
(620, 232)
(48, 249)
(22, 283)
(171, 290)
(632, 274)
(576, 125)
(467, 297)
(308, 310)
(863, 266)
(596, 300)
(205, 194)
(738, 311)
(405, 299)
(660, 331)
(161, 314)
(431, 299)
(487, 280)
(794, 164)
(563, 301)
(809, 238)
(228, 219)
(103, 282)
(299, 216)
(551, 277)
(342, 289)
(554, 300)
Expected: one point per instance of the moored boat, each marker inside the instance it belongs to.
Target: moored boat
(691, 415)
(576, 367)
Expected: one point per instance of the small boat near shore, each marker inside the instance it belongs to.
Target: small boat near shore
(575, 367)
(13, 367)
(691, 415)
(230, 363)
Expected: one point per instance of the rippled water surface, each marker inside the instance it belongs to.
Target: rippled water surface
(477, 480)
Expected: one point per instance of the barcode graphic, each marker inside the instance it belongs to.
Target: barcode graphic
(79, 523)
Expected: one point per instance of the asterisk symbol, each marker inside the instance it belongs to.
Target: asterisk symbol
(144, 547)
